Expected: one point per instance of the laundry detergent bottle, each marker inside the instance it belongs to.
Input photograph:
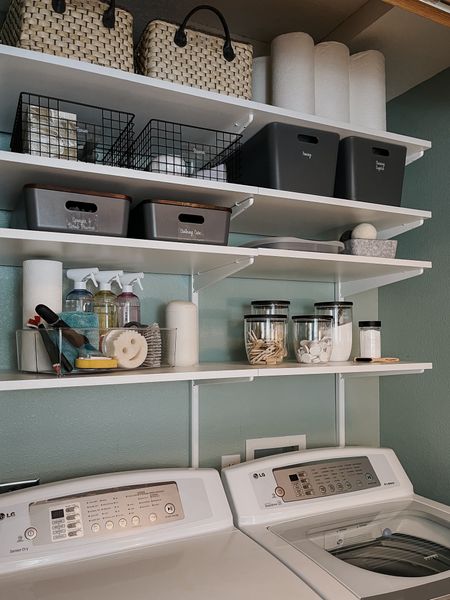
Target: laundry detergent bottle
(80, 298)
(128, 304)
(105, 301)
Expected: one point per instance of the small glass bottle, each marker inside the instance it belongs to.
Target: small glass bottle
(370, 339)
(265, 339)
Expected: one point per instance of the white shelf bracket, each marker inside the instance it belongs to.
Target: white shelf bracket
(340, 409)
(195, 425)
(362, 285)
(387, 234)
(241, 207)
(241, 125)
(413, 156)
(386, 373)
(207, 278)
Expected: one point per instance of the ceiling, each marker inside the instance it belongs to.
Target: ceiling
(415, 47)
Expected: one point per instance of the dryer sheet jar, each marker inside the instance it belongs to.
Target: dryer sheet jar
(370, 339)
(265, 339)
(312, 338)
(341, 334)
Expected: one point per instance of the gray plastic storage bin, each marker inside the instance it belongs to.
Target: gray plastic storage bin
(370, 171)
(286, 157)
(54, 208)
(170, 220)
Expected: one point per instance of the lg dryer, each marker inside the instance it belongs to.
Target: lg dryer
(161, 534)
(346, 521)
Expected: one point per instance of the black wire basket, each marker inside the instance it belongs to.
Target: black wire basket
(177, 149)
(57, 128)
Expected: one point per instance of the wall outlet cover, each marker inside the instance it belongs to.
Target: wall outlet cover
(230, 459)
(260, 447)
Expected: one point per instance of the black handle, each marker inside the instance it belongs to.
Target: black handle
(180, 38)
(109, 16)
(108, 19)
(59, 6)
(50, 317)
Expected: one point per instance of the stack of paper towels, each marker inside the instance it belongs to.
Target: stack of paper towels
(323, 80)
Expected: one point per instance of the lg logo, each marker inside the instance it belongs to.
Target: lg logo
(257, 475)
(7, 515)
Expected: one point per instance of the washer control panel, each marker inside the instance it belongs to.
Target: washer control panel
(324, 478)
(104, 512)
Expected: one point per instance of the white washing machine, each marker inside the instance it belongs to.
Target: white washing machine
(346, 521)
(159, 534)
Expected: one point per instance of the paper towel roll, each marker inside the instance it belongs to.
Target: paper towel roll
(331, 81)
(293, 72)
(261, 80)
(42, 284)
(183, 316)
(368, 90)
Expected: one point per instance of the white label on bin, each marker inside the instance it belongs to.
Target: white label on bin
(82, 222)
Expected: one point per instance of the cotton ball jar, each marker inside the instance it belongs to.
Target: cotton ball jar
(364, 231)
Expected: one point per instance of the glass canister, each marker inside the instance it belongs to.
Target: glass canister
(265, 339)
(270, 307)
(370, 339)
(312, 338)
(341, 335)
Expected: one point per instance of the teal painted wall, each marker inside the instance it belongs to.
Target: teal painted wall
(415, 411)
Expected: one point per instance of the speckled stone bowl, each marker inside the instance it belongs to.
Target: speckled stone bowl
(381, 248)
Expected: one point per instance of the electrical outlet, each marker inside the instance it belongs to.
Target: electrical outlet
(230, 459)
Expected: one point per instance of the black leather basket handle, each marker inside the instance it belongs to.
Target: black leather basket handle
(108, 19)
(180, 38)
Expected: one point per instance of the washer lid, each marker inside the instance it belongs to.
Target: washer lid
(375, 550)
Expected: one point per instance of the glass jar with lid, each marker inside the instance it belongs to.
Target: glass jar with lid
(370, 339)
(342, 313)
(270, 307)
(312, 338)
(265, 338)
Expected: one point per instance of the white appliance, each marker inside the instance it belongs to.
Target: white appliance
(162, 534)
(347, 521)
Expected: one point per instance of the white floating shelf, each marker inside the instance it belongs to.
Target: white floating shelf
(273, 212)
(207, 263)
(281, 213)
(208, 372)
(25, 70)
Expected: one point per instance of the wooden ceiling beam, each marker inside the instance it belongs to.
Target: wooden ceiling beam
(423, 10)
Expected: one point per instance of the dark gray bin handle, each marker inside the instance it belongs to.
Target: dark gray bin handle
(108, 19)
(180, 38)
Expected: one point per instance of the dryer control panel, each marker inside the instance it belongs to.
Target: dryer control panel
(324, 478)
(104, 512)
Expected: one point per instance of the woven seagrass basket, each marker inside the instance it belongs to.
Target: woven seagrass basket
(79, 33)
(200, 63)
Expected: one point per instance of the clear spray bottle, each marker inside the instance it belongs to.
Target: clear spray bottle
(128, 304)
(105, 301)
(80, 298)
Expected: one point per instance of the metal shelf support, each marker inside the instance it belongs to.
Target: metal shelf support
(200, 281)
(387, 234)
(241, 207)
(349, 288)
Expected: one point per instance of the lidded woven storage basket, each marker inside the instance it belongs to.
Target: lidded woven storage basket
(202, 62)
(78, 33)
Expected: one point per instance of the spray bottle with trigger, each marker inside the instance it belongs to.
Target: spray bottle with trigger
(80, 298)
(105, 301)
(128, 304)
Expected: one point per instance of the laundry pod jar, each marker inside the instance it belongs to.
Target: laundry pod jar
(312, 338)
(341, 331)
(265, 339)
